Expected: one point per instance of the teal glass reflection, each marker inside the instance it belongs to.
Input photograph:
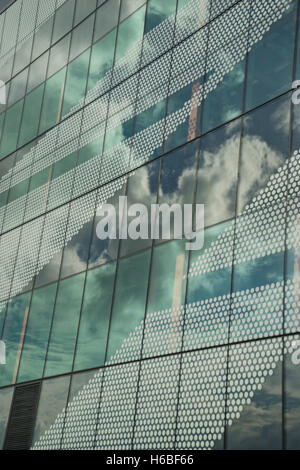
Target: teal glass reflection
(163, 275)
(10, 129)
(218, 173)
(76, 252)
(129, 6)
(226, 101)
(37, 334)
(130, 31)
(142, 189)
(92, 338)
(53, 99)
(210, 284)
(270, 61)
(129, 306)
(190, 128)
(150, 117)
(16, 317)
(76, 81)
(5, 402)
(64, 327)
(255, 388)
(31, 116)
(102, 58)
(265, 150)
(2, 317)
(166, 297)
(157, 12)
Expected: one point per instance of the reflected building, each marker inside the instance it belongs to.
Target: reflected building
(122, 344)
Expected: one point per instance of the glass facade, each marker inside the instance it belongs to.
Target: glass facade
(142, 344)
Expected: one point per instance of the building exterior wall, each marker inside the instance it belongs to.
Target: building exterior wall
(144, 344)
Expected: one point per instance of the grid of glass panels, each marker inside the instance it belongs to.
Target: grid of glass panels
(204, 338)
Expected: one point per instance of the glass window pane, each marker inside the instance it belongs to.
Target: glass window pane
(270, 61)
(53, 400)
(63, 20)
(31, 116)
(164, 317)
(264, 151)
(16, 318)
(17, 87)
(22, 56)
(76, 82)
(18, 190)
(129, 308)
(255, 396)
(59, 55)
(103, 251)
(226, 101)
(177, 185)
(76, 252)
(209, 286)
(95, 317)
(217, 173)
(142, 189)
(83, 9)
(50, 272)
(102, 58)
(53, 99)
(10, 130)
(37, 334)
(157, 12)
(130, 31)
(5, 402)
(82, 37)
(202, 399)
(64, 327)
(79, 407)
(106, 18)
(37, 72)
(129, 6)
(42, 38)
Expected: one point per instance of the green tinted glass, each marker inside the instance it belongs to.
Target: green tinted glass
(95, 317)
(64, 328)
(37, 334)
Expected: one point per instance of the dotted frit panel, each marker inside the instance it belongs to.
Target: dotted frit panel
(82, 416)
(53, 235)
(206, 323)
(192, 16)
(163, 332)
(9, 244)
(257, 313)
(26, 262)
(201, 409)
(117, 407)
(157, 404)
(249, 366)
